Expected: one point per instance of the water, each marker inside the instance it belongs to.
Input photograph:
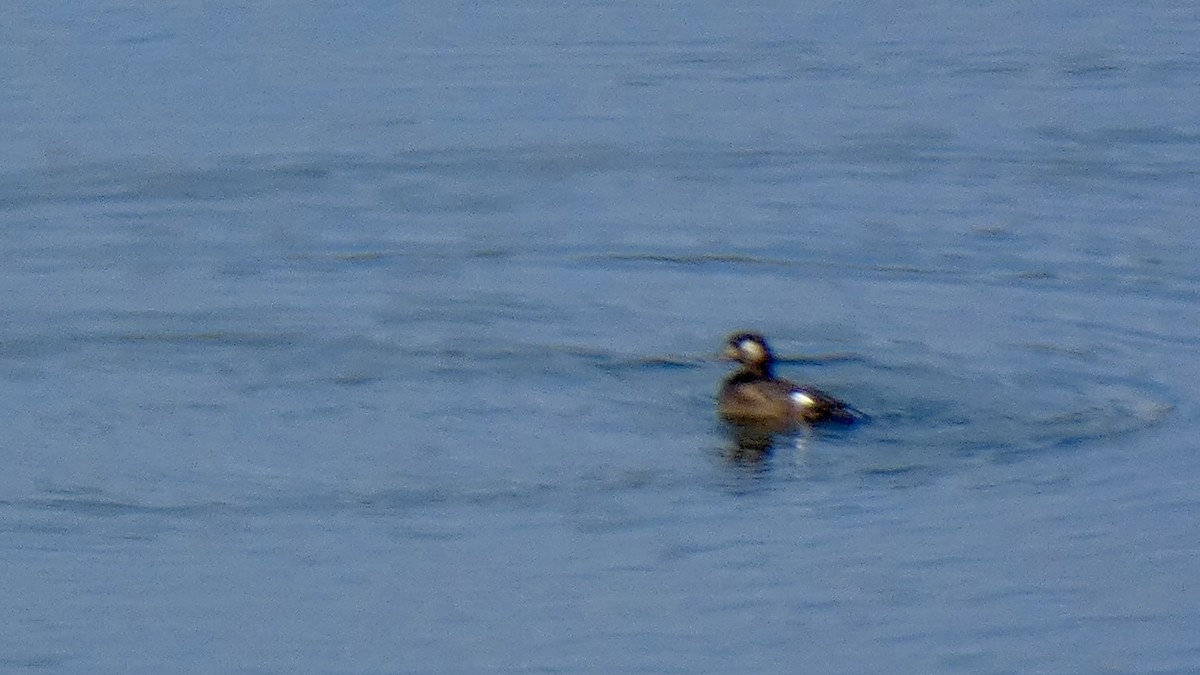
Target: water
(373, 338)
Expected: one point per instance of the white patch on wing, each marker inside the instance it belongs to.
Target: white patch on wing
(801, 398)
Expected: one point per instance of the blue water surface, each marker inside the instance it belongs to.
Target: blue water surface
(375, 337)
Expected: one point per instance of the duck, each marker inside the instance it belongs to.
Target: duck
(754, 397)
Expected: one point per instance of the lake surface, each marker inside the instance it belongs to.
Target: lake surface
(373, 338)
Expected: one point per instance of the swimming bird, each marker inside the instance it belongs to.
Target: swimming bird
(754, 397)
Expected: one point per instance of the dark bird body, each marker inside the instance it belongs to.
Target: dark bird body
(754, 397)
